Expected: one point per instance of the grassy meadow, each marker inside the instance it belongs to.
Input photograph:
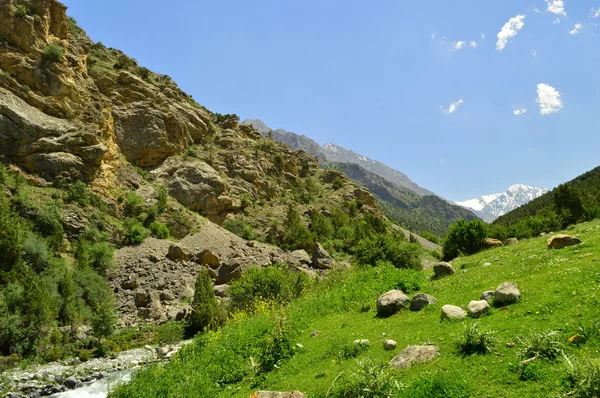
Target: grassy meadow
(545, 345)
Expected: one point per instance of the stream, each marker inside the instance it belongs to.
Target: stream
(98, 388)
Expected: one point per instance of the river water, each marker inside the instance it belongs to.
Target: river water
(98, 388)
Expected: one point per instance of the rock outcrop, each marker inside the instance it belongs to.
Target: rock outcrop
(414, 354)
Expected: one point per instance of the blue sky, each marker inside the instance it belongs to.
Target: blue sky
(380, 77)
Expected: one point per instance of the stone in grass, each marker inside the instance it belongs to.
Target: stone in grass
(392, 302)
(414, 354)
(420, 301)
(362, 342)
(511, 241)
(561, 240)
(507, 293)
(453, 312)
(389, 345)
(478, 308)
(488, 296)
(443, 269)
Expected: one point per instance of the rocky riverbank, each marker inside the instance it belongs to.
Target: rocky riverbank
(56, 377)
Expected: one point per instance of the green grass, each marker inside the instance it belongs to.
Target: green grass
(559, 292)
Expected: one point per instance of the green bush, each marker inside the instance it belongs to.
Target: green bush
(464, 238)
(583, 379)
(160, 230)
(135, 232)
(430, 237)
(134, 204)
(171, 332)
(104, 320)
(123, 62)
(475, 341)
(369, 380)
(36, 253)
(53, 53)
(389, 248)
(49, 224)
(270, 284)
(77, 192)
(547, 345)
(143, 72)
(12, 231)
(295, 235)
(343, 351)
(240, 227)
(21, 11)
(206, 313)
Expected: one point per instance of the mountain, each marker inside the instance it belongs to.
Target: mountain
(588, 186)
(490, 207)
(337, 154)
(418, 213)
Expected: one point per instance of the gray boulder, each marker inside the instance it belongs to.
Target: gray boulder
(392, 302)
(414, 354)
(71, 382)
(320, 258)
(488, 296)
(511, 241)
(299, 258)
(561, 240)
(176, 253)
(478, 308)
(420, 301)
(453, 312)
(443, 269)
(507, 293)
(389, 345)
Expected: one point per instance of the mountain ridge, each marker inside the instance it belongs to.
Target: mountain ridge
(490, 207)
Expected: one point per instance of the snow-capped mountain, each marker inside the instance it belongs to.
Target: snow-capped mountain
(490, 207)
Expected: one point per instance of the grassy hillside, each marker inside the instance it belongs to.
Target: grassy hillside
(417, 213)
(588, 185)
(309, 343)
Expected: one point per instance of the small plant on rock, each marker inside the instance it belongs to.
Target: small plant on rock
(53, 53)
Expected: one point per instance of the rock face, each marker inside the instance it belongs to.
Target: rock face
(561, 240)
(414, 354)
(320, 258)
(273, 394)
(420, 301)
(392, 302)
(453, 312)
(507, 293)
(490, 243)
(478, 308)
(443, 269)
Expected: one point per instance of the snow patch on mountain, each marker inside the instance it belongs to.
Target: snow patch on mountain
(490, 207)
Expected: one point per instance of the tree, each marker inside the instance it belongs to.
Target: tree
(206, 313)
(464, 238)
(296, 234)
(12, 234)
(568, 204)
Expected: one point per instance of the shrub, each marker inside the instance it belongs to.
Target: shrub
(123, 62)
(21, 11)
(464, 238)
(295, 235)
(583, 379)
(369, 380)
(53, 53)
(12, 231)
(77, 192)
(134, 204)
(49, 224)
(206, 313)
(545, 345)
(276, 346)
(143, 72)
(430, 237)
(475, 341)
(270, 283)
(35, 252)
(240, 227)
(135, 232)
(160, 230)
(401, 254)
(104, 320)
(162, 200)
(343, 351)
(170, 333)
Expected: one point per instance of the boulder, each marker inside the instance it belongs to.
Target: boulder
(511, 241)
(487, 264)
(491, 243)
(320, 258)
(488, 296)
(443, 269)
(507, 293)
(453, 312)
(221, 290)
(478, 308)
(392, 302)
(389, 345)
(299, 258)
(273, 394)
(71, 382)
(209, 259)
(130, 284)
(561, 240)
(420, 301)
(176, 253)
(414, 354)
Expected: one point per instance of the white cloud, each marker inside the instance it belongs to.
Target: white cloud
(474, 44)
(453, 107)
(556, 21)
(432, 36)
(509, 30)
(520, 111)
(549, 99)
(442, 161)
(595, 13)
(459, 45)
(533, 52)
(576, 29)
(483, 35)
(556, 7)
(537, 10)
